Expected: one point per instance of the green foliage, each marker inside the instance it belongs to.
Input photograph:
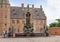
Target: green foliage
(58, 20)
(55, 24)
(58, 25)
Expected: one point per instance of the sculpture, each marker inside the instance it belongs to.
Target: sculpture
(28, 28)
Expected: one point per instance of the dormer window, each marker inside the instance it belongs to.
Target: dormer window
(36, 11)
(13, 9)
(37, 14)
(14, 13)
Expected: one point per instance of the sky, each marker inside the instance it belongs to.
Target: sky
(51, 7)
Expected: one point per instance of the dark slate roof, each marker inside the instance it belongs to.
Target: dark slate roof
(38, 14)
(4, 1)
(16, 12)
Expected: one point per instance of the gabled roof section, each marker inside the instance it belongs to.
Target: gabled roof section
(38, 14)
(17, 12)
(4, 1)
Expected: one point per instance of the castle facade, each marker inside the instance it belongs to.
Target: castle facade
(15, 17)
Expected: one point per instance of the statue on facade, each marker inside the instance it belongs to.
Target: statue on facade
(28, 28)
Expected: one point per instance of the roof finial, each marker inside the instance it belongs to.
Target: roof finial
(22, 6)
(32, 6)
(28, 7)
(41, 7)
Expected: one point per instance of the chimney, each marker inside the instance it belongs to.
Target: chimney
(28, 7)
(22, 6)
(41, 7)
(32, 6)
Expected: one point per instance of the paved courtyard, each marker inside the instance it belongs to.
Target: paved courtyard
(33, 39)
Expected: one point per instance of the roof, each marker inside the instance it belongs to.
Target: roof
(4, 1)
(38, 14)
(17, 12)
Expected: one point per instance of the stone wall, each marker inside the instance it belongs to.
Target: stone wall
(4, 17)
(18, 24)
(38, 25)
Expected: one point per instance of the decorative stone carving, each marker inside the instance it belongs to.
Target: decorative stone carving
(28, 28)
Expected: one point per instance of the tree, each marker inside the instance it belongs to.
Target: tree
(53, 24)
(58, 25)
(58, 20)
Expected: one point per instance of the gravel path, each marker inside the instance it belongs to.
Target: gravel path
(34, 39)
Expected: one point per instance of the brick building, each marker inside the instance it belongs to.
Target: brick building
(15, 17)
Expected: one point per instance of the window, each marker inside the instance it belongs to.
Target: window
(13, 21)
(41, 22)
(5, 6)
(13, 9)
(14, 13)
(18, 29)
(36, 11)
(37, 14)
(5, 24)
(5, 16)
(1, 6)
(17, 21)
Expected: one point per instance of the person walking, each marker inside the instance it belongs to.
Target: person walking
(5, 34)
(14, 34)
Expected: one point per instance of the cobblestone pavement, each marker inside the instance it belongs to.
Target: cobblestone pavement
(33, 39)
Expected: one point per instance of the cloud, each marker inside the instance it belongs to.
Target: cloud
(51, 7)
(52, 10)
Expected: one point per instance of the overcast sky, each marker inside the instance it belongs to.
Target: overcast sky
(50, 7)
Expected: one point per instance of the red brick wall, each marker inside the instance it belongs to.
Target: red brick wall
(54, 31)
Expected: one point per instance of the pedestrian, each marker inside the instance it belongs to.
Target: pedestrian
(14, 34)
(4, 34)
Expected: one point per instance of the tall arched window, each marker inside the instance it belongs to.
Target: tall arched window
(17, 21)
(13, 21)
(18, 29)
